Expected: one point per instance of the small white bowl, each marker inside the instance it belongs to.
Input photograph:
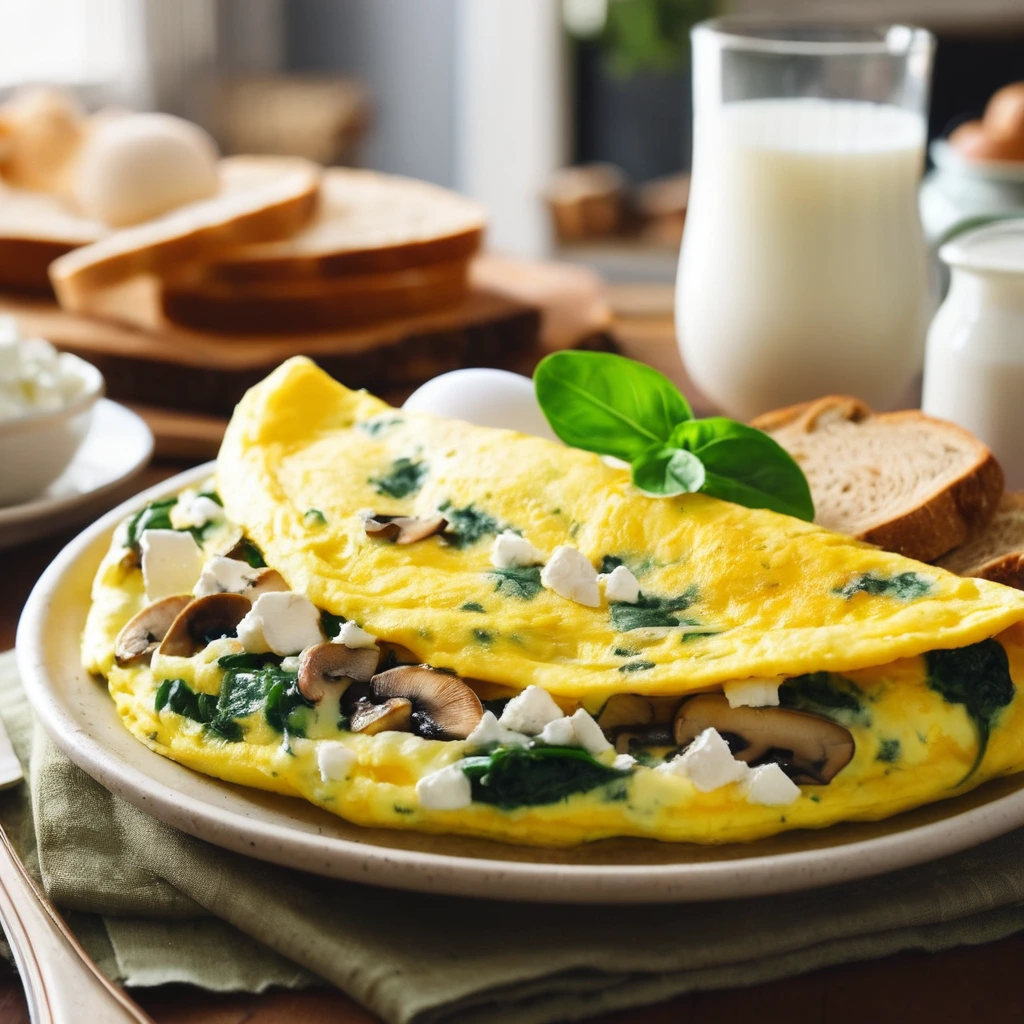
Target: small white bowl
(35, 449)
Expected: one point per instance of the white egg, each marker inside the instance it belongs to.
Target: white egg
(488, 398)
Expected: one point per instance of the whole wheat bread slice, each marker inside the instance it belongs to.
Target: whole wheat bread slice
(367, 223)
(261, 199)
(997, 552)
(903, 480)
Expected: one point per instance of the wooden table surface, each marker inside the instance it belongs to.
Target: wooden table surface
(965, 985)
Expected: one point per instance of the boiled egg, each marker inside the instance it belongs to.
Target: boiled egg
(485, 397)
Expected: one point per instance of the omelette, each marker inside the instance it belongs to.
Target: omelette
(417, 623)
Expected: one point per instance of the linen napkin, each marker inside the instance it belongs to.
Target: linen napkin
(155, 905)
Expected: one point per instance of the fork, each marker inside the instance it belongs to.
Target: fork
(62, 985)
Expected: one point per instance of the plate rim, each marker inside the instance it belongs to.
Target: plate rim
(14, 515)
(451, 874)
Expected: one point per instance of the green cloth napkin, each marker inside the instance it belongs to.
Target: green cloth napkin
(154, 905)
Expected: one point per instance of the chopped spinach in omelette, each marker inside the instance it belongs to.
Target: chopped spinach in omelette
(684, 669)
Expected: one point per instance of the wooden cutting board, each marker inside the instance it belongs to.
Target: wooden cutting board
(187, 382)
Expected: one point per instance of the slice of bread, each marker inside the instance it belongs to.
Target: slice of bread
(997, 552)
(318, 304)
(368, 223)
(261, 199)
(903, 480)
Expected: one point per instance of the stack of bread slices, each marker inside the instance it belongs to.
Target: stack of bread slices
(908, 483)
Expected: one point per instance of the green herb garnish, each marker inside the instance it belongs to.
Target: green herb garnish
(614, 406)
(404, 478)
(314, 517)
(904, 586)
(467, 525)
(636, 666)
(472, 606)
(522, 582)
(978, 677)
(512, 777)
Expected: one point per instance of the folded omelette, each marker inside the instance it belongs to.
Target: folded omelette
(417, 623)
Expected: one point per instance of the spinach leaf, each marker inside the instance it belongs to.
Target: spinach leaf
(888, 751)
(826, 695)
(472, 606)
(248, 662)
(286, 708)
(904, 586)
(607, 404)
(467, 525)
(404, 478)
(745, 466)
(512, 777)
(652, 612)
(610, 563)
(978, 677)
(331, 624)
(522, 582)
(636, 666)
(155, 516)
(379, 423)
(212, 495)
(663, 470)
(249, 553)
(177, 695)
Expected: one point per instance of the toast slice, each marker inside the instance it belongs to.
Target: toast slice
(902, 480)
(997, 553)
(35, 229)
(261, 199)
(368, 223)
(317, 304)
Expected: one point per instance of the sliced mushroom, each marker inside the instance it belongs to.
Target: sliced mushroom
(444, 707)
(203, 620)
(265, 581)
(658, 736)
(143, 631)
(811, 749)
(393, 715)
(402, 529)
(625, 709)
(324, 665)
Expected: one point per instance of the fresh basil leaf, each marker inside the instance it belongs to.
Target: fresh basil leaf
(664, 471)
(744, 465)
(608, 404)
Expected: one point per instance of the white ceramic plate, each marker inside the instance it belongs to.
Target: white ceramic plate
(77, 712)
(118, 445)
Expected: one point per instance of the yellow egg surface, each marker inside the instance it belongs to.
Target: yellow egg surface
(917, 668)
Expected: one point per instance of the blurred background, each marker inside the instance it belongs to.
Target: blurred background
(495, 99)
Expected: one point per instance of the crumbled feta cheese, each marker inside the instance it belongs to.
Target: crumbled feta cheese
(490, 732)
(282, 622)
(707, 762)
(511, 551)
(445, 790)
(753, 693)
(768, 784)
(34, 376)
(528, 712)
(559, 733)
(623, 762)
(353, 636)
(222, 575)
(569, 574)
(194, 509)
(291, 663)
(171, 563)
(589, 734)
(620, 586)
(334, 760)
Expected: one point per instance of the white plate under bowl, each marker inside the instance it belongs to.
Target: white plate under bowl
(77, 712)
(118, 445)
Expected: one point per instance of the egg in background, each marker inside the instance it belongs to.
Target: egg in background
(484, 397)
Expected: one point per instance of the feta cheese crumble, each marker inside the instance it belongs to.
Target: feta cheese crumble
(490, 732)
(623, 762)
(222, 575)
(34, 376)
(194, 509)
(707, 762)
(569, 574)
(576, 730)
(171, 563)
(528, 712)
(334, 760)
(354, 637)
(282, 622)
(511, 551)
(559, 733)
(620, 586)
(769, 785)
(753, 693)
(445, 790)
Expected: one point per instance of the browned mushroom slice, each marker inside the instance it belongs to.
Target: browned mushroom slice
(265, 581)
(811, 749)
(324, 665)
(625, 709)
(203, 620)
(392, 716)
(444, 707)
(402, 529)
(143, 631)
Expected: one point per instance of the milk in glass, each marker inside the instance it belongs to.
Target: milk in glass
(803, 270)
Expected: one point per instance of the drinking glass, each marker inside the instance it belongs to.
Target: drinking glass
(803, 269)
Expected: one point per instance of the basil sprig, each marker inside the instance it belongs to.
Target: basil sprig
(614, 406)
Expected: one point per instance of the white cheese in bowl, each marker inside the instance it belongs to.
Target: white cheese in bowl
(34, 376)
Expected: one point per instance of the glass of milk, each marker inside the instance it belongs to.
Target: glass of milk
(803, 269)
